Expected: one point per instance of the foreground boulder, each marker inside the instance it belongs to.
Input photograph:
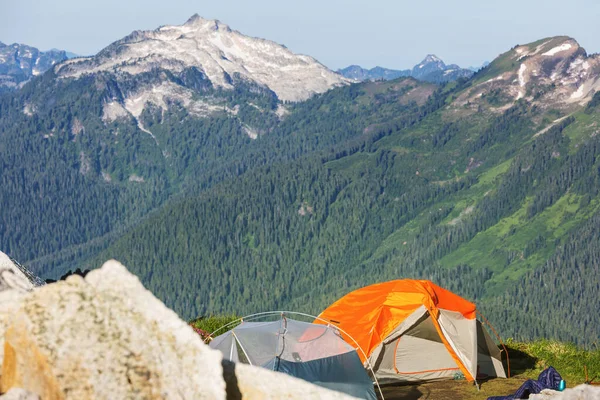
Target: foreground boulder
(11, 277)
(13, 286)
(581, 392)
(19, 394)
(106, 337)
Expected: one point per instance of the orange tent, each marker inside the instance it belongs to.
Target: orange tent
(415, 330)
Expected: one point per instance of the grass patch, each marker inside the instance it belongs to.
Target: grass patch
(349, 163)
(211, 323)
(568, 359)
(489, 177)
(584, 127)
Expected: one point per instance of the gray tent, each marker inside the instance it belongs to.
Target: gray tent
(315, 353)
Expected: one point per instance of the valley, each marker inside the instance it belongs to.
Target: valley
(234, 176)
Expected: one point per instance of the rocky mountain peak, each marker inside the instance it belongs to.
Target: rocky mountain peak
(220, 53)
(199, 23)
(432, 58)
(430, 62)
(432, 68)
(553, 72)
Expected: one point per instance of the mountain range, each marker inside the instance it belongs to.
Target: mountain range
(431, 69)
(19, 62)
(233, 176)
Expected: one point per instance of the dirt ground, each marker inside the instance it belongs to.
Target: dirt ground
(460, 390)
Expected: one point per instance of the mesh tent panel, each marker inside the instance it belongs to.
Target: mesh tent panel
(227, 345)
(289, 340)
(259, 340)
(315, 353)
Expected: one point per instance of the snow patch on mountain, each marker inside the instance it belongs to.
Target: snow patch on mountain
(136, 178)
(524, 51)
(522, 82)
(498, 78)
(579, 93)
(558, 49)
(218, 51)
(281, 111)
(28, 110)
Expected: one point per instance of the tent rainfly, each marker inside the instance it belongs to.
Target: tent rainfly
(414, 330)
(315, 353)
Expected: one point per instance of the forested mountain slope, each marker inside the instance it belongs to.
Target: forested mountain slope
(94, 144)
(490, 189)
(488, 186)
(485, 193)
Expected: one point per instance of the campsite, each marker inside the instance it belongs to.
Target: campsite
(415, 340)
(264, 200)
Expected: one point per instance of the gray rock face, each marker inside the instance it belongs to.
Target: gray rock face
(106, 337)
(19, 394)
(581, 392)
(11, 277)
(13, 286)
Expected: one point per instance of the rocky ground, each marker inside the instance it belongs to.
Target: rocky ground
(463, 390)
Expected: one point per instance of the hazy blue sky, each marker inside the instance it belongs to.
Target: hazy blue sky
(390, 33)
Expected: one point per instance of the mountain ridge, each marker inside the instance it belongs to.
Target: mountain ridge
(20, 62)
(430, 69)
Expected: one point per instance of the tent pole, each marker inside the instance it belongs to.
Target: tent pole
(233, 342)
(277, 345)
(241, 347)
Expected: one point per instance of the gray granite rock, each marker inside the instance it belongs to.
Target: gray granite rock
(106, 337)
(19, 394)
(581, 392)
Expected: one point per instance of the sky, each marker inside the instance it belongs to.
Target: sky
(390, 33)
